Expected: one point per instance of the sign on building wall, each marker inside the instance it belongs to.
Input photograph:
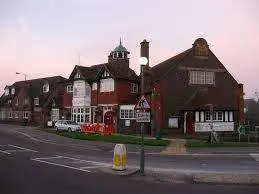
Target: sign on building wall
(173, 122)
(127, 123)
(217, 126)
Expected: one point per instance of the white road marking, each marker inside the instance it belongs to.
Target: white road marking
(15, 151)
(61, 165)
(88, 161)
(22, 148)
(48, 158)
(5, 152)
(90, 167)
(255, 157)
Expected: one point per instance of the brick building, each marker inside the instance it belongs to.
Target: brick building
(105, 92)
(33, 101)
(184, 88)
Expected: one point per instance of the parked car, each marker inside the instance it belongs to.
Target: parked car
(67, 125)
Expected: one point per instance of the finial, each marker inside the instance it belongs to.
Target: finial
(120, 40)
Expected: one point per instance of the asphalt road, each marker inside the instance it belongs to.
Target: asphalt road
(31, 165)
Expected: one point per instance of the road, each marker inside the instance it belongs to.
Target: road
(30, 164)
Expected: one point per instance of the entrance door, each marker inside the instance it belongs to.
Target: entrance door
(189, 123)
(108, 118)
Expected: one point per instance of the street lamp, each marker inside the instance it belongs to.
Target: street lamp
(143, 62)
(25, 75)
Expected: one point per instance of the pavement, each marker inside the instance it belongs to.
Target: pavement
(214, 165)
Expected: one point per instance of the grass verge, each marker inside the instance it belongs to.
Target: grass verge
(110, 138)
(190, 143)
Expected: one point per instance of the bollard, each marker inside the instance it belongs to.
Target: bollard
(119, 157)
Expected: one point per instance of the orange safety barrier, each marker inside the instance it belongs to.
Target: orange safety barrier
(99, 128)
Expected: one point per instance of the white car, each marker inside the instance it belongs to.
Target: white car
(67, 125)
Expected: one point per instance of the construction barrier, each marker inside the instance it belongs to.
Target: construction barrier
(119, 157)
(97, 128)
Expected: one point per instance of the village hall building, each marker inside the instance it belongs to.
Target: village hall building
(188, 87)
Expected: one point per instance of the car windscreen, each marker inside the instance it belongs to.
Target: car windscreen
(71, 123)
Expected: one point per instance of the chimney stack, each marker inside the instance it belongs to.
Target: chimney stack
(144, 50)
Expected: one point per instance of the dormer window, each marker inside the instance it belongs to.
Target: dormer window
(36, 101)
(13, 91)
(120, 55)
(105, 74)
(77, 76)
(70, 89)
(45, 88)
(134, 88)
(6, 92)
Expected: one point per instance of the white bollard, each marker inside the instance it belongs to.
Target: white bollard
(119, 157)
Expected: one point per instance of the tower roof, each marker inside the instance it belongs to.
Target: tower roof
(120, 48)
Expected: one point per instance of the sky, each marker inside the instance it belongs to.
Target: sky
(43, 38)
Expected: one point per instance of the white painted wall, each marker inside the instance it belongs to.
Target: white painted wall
(81, 94)
(217, 126)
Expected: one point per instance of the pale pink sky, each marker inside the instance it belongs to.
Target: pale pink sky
(44, 37)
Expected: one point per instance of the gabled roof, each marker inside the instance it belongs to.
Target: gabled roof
(117, 70)
(162, 68)
(34, 88)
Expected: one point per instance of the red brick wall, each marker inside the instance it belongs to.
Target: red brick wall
(94, 97)
(121, 95)
(124, 93)
(157, 107)
(67, 99)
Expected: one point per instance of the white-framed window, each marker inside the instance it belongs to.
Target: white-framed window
(25, 114)
(207, 116)
(220, 116)
(16, 114)
(202, 77)
(54, 114)
(134, 88)
(36, 101)
(10, 114)
(6, 91)
(127, 112)
(25, 102)
(70, 89)
(45, 88)
(81, 114)
(107, 85)
(17, 102)
(226, 116)
(13, 91)
(94, 86)
(217, 116)
(197, 116)
(77, 76)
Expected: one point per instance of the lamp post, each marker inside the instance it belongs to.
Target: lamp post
(142, 61)
(25, 75)
(211, 121)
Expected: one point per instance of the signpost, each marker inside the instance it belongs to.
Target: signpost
(142, 116)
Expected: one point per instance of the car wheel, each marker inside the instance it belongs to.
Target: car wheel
(56, 128)
(69, 129)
